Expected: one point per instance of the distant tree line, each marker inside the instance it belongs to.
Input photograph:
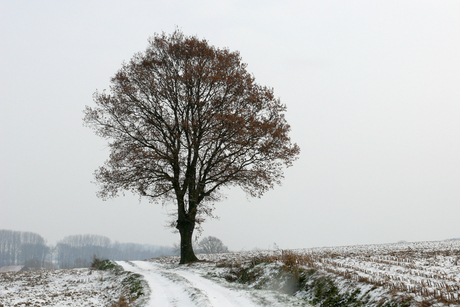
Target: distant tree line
(77, 251)
(17, 247)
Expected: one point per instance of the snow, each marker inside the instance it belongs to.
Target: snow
(163, 291)
(426, 271)
(74, 287)
(174, 285)
(11, 268)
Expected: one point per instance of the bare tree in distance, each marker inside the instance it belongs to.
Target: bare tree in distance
(185, 120)
(212, 245)
(19, 247)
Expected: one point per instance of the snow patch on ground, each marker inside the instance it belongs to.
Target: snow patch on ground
(71, 287)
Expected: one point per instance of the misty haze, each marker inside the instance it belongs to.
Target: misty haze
(290, 153)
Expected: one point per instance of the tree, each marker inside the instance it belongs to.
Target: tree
(33, 250)
(78, 250)
(184, 120)
(17, 247)
(212, 245)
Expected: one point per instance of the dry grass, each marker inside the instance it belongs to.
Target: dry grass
(427, 273)
(122, 302)
(422, 276)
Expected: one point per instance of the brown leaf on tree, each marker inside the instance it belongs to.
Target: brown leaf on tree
(184, 120)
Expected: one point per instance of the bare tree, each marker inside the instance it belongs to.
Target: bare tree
(78, 250)
(212, 245)
(17, 247)
(184, 120)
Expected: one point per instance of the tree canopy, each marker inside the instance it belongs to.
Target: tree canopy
(184, 120)
(212, 245)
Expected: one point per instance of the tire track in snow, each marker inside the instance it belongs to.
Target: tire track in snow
(163, 292)
(179, 287)
(217, 295)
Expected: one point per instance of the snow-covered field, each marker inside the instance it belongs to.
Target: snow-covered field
(71, 287)
(427, 273)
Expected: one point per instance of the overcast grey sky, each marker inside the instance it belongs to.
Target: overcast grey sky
(373, 97)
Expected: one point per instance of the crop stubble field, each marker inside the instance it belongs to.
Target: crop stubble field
(428, 270)
(428, 273)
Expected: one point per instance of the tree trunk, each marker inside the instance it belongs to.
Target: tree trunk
(187, 254)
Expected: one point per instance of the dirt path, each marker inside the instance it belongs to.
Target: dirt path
(182, 287)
